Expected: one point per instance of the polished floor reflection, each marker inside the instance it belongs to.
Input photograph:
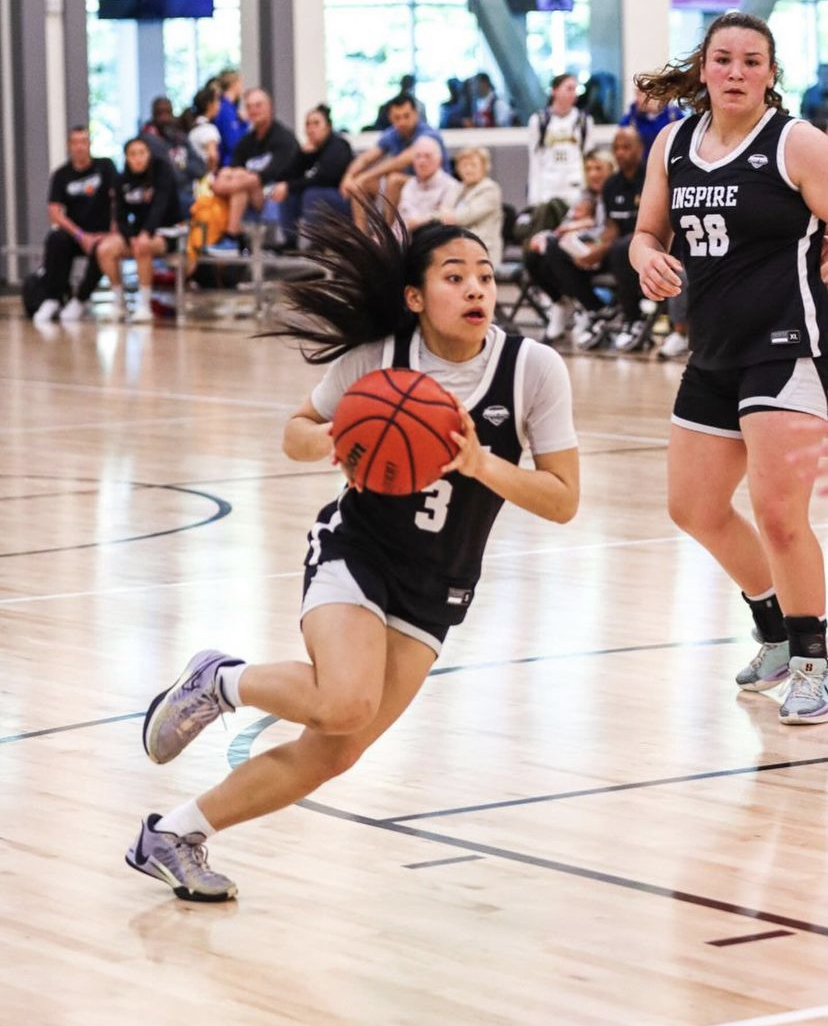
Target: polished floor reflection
(578, 822)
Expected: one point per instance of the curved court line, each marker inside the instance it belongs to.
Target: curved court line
(223, 509)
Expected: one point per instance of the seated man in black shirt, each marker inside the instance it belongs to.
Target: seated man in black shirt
(267, 154)
(563, 276)
(81, 193)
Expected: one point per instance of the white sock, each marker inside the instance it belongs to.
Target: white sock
(186, 819)
(229, 679)
(145, 294)
(118, 293)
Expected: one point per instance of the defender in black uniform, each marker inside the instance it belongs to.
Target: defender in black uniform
(385, 576)
(741, 191)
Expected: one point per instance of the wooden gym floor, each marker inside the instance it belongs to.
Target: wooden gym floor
(580, 821)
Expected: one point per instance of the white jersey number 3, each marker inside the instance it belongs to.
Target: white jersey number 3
(706, 236)
(437, 498)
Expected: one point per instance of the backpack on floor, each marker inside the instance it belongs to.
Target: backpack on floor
(33, 291)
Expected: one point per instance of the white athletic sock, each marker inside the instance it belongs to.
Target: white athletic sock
(229, 678)
(145, 294)
(118, 293)
(186, 819)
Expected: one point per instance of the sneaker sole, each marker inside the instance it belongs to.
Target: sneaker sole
(803, 719)
(180, 892)
(765, 684)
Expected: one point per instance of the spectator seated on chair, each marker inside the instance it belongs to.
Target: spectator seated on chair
(648, 116)
(564, 276)
(269, 153)
(387, 166)
(81, 195)
(204, 137)
(167, 141)
(479, 204)
(232, 126)
(584, 223)
(323, 163)
(430, 189)
(146, 201)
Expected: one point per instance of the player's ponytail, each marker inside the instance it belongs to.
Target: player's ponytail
(361, 297)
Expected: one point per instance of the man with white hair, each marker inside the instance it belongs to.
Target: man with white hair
(430, 188)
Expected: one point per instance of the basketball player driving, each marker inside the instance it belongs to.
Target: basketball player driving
(385, 577)
(740, 193)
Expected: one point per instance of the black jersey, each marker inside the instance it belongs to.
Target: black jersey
(750, 246)
(86, 195)
(431, 542)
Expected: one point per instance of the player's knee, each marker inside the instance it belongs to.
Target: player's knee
(776, 526)
(345, 714)
(338, 760)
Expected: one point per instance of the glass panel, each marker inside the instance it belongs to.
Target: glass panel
(558, 42)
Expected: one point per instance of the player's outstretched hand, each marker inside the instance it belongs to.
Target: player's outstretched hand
(470, 452)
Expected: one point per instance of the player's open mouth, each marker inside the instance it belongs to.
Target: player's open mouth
(475, 316)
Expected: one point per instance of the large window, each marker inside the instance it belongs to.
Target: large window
(372, 44)
(194, 50)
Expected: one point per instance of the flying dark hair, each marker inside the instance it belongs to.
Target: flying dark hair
(681, 79)
(362, 296)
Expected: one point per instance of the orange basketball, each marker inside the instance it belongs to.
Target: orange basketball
(392, 431)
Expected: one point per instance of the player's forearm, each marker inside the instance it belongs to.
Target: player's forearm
(305, 439)
(543, 492)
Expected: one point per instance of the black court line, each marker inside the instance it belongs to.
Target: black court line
(609, 789)
(69, 726)
(571, 870)
(223, 509)
(750, 938)
(239, 751)
(442, 862)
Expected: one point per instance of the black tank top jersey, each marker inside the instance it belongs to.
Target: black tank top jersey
(750, 246)
(433, 541)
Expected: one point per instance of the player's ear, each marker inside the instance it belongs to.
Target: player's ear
(413, 299)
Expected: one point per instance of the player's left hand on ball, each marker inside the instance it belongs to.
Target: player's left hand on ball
(469, 450)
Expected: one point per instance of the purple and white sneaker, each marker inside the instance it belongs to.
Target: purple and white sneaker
(179, 714)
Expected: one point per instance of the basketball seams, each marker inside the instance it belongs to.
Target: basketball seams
(391, 443)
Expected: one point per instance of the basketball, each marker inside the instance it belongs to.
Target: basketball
(392, 431)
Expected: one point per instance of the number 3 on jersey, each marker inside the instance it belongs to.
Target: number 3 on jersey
(706, 236)
(437, 498)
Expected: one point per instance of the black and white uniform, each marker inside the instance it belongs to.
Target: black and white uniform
(415, 560)
(751, 250)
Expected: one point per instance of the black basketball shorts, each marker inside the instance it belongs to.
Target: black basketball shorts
(356, 582)
(714, 401)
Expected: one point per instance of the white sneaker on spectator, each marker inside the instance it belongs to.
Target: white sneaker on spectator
(557, 316)
(116, 313)
(588, 328)
(74, 310)
(675, 344)
(630, 337)
(46, 312)
(142, 314)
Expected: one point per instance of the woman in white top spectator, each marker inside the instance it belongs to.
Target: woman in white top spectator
(204, 137)
(559, 136)
(479, 205)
